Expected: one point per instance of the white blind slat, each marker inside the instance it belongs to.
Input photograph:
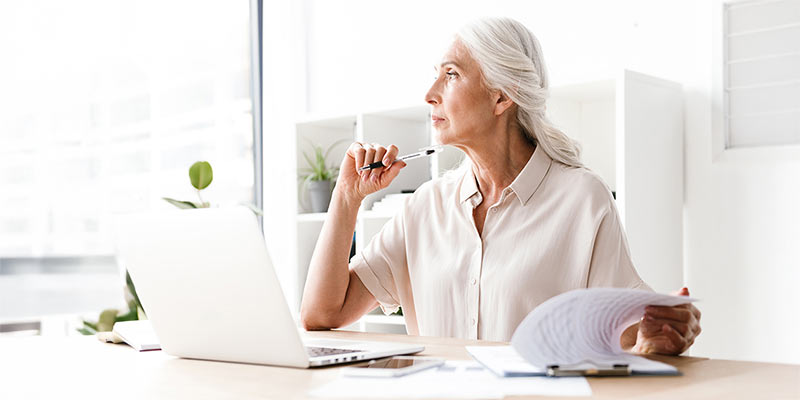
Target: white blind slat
(767, 70)
(765, 43)
(764, 99)
(755, 16)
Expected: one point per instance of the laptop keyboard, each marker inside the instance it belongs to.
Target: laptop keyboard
(327, 351)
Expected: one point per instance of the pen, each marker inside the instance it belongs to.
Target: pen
(422, 153)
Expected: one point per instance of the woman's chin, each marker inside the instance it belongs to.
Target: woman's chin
(442, 138)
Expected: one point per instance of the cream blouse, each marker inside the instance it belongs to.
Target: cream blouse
(554, 229)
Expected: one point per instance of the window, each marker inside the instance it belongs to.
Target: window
(110, 103)
(762, 72)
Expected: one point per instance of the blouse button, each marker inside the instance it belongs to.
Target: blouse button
(474, 281)
(473, 321)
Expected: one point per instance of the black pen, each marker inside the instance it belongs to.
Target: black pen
(422, 153)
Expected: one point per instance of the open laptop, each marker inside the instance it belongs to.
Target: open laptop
(206, 281)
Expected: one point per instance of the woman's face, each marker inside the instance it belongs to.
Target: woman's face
(462, 107)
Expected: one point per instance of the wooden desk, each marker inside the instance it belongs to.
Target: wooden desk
(83, 367)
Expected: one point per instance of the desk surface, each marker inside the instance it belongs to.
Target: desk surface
(39, 367)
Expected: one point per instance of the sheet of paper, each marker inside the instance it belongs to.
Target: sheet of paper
(138, 334)
(503, 361)
(454, 379)
(585, 326)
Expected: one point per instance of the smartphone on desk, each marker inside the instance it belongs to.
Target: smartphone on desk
(393, 366)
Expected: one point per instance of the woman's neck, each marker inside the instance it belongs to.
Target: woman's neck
(498, 160)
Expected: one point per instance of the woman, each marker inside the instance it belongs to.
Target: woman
(474, 252)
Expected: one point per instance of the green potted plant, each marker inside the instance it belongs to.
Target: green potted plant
(318, 177)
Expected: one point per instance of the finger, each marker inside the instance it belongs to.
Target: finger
(369, 156)
(653, 326)
(649, 329)
(695, 311)
(660, 345)
(678, 341)
(672, 313)
(359, 152)
(391, 154)
(380, 151)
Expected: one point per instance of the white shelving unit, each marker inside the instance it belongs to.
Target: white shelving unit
(631, 129)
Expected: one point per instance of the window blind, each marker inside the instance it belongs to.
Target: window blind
(762, 72)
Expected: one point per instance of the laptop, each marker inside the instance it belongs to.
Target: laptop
(207, 284)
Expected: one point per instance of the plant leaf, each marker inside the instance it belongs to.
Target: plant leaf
(308, 160)
(318, 169)
(90, 325)
(180, 203)
(106, 321)
(131, 315)
(86, 331)
(201, 175)
(132, 289)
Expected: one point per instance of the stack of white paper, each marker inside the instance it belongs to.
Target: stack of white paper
(577, 329)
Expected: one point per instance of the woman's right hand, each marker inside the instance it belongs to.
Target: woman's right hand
(355, 184)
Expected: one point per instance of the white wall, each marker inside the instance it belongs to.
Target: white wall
(742, 235)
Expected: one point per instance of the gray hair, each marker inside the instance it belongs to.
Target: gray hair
(511, 60)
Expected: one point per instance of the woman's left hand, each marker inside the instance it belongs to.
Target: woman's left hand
(668, 330)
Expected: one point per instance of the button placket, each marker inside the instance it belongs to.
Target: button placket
(474, 291)
(473, 274)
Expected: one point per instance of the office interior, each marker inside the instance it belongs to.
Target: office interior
(106, 105)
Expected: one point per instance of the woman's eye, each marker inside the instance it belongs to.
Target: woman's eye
(451, 74)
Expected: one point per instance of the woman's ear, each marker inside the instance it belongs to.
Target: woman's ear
(502, 104)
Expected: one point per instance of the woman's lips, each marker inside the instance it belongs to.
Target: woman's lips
(435, 120)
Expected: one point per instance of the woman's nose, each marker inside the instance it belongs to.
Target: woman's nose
(432, 97)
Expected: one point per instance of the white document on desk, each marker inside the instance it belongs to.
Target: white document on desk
(138, 334)
(504, 361)
(454, 379)
(582, 328)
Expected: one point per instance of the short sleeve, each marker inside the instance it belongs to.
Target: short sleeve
(611, 264)
(382, 265)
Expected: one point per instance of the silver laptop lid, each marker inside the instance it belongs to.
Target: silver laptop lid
(208, 286)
